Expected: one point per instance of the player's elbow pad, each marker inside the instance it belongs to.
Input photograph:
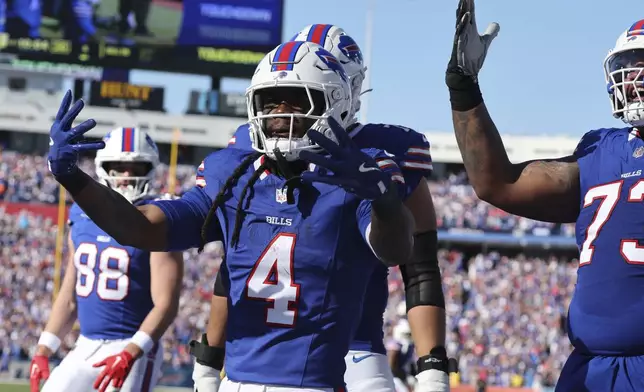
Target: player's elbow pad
(422, 276)
(220, 290)
(206, 355)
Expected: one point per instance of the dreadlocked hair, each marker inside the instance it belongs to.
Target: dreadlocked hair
(229, 184)
(241, 213)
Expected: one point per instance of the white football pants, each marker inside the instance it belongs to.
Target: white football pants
(76, 372)
(233, 386)
(368, 372)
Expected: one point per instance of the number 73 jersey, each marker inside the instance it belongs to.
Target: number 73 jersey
(112, 281)
(606, 314)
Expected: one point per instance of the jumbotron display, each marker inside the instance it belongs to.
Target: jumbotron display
(213, 37)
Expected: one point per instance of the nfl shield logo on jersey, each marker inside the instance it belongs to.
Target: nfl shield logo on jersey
(280, 195)
(639, 151)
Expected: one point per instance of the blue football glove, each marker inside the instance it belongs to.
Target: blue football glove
(353, 170)
(65, 142)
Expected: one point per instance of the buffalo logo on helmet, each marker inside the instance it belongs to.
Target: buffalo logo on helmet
(350, 49)
(151, 142)
(330, 61)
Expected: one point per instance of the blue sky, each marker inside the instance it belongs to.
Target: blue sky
(543, 74)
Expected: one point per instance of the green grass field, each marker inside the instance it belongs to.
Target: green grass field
(164, 22)
(24, 387)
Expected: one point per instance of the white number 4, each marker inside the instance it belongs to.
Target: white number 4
(609, 194)
(271, 280)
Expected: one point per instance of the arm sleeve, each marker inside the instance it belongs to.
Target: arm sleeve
(222, 288)
(185, 217)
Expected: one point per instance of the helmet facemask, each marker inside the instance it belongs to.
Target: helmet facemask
(294, 90)
(625, 83)
(129, 178)
(308, 109)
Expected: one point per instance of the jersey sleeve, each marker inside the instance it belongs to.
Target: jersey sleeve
(389, 166)
(408, 148)
(186, 216)
(415, 160)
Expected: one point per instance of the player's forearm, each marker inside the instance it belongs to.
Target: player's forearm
(427, 324)
(112, 212)
(424, 295)
(61, 320)
(392, 225)
(486, 161)
(216, 330)
(155, 324)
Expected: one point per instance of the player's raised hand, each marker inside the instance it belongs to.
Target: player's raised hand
(353, 170)
(38, 371)
(470, 48)
(116, 369)
(65, 141)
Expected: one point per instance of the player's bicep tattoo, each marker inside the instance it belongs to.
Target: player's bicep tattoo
(559, 175)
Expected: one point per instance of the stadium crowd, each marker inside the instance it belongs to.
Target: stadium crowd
(506, 315)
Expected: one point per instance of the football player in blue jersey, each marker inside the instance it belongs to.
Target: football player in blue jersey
(298, 218)
(600, 187)
(368, 369)
(124, 298)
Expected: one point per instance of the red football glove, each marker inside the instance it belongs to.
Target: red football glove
(39, 370)
(117, 367)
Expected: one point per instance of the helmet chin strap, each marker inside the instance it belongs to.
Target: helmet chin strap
(292, 181)
(282, 164)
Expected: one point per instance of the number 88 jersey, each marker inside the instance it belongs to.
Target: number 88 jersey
(112, 281)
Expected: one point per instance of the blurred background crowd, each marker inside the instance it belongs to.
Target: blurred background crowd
(506, 311)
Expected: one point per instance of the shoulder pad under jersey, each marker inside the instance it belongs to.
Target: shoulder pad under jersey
(410, 148)
(241, 138)
(601, 138)
(219, 165)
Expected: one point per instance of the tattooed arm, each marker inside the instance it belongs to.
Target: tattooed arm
(546, 190)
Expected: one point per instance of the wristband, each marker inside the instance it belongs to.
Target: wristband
(143, 340)
(49, 340)
(74, 182)
(464, 91)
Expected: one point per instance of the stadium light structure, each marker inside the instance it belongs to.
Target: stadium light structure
(366, 85)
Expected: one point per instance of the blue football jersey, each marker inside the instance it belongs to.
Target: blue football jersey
(297, 276)
(112, 281)
(410, 150)
(605, 315)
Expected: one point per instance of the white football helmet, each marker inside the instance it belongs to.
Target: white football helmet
(344, 48)
(306, 66)
(127, 145)
(624, 70)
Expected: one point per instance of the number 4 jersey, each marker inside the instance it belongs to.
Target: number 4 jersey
(298, 274)
(112, 281)
(606, 314)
